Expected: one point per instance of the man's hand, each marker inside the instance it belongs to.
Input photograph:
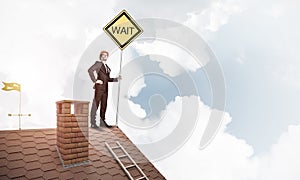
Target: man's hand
(119, 77)
(99, 82)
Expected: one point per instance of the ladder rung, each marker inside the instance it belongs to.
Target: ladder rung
(132, 165)
(116, 147)
(141, 178)
(122, 156)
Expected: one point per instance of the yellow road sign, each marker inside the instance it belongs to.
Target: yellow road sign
(123, 29)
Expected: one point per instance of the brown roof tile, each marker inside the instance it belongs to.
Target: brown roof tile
(41, 140)
(106, 176)
(119, 176)
(34, 174)
(13, 149)
(11, 143)
(102, 170)
(48, 166)
(51, 174)
(12, 136)
(31, 154)
(46, 159)
(28, 144)
(3, 171)
(3, 162)
(3, 153)
(15, 164)
(44, 152)
(4, 178)
(28, 139)
(42, 146)
(114, 171)
(66, 175)
(16, 173)
(33, 165)
(31, 158)
(39, 135)
(90, 169)
(15, 156)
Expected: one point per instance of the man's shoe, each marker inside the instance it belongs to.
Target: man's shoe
(104, 124)
(94, 126)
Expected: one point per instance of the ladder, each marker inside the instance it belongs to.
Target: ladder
(125, 168)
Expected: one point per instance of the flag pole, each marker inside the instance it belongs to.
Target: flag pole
(119, 85)
(20, 111)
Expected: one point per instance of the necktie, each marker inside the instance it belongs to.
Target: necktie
(105, 68)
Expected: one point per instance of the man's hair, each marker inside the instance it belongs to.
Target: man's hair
(103, 52)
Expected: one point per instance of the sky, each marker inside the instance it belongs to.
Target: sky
(46, 46)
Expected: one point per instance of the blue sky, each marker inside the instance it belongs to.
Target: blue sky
(258, 61)
(257, 49)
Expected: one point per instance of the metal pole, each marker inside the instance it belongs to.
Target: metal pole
(20, 112)
(119, 85)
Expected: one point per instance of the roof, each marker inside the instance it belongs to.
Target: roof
(30, 154)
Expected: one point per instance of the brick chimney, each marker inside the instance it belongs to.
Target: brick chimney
(72, 132)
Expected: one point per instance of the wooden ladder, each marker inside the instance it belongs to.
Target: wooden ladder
(125, 168)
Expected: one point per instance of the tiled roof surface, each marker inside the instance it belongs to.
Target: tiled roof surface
(31, 154)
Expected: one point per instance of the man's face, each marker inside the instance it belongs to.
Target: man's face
(103, 57)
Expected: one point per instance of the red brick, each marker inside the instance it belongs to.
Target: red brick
(67, 162)
(83, 154)
(76, 129)
(65, 111)
(64, 140)
(65, 105)
(68, 156)
(65, 151)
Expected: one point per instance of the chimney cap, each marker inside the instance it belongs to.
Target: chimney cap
(71, 101)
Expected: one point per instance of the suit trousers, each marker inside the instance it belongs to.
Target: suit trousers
(100, 98)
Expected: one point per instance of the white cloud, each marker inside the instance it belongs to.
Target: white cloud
(176, 10)
(227, 157)
(283, 160)
(214, 16)
(288, 74)
(162, 128)
(241, 59)
(136, 109)
(136, 87)
(277, 10)
(41, 44)
(173, 60)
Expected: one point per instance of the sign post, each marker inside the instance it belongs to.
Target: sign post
(122, 30)
(16, 87)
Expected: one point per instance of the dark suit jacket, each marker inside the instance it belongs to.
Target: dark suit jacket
(101, 75)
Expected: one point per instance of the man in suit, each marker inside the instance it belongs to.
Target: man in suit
(101, 88)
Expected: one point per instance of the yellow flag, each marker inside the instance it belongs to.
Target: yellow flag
(11, 86)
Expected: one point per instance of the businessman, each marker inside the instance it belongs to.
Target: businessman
(101, 88)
